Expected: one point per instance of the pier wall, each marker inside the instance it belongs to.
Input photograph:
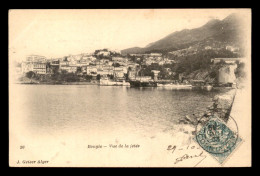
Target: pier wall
(221, 107)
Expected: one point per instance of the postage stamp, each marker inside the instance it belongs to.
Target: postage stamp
(218, 138)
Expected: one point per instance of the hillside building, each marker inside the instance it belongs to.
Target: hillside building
(34, 63)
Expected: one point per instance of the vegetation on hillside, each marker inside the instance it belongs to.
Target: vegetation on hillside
(201, 61)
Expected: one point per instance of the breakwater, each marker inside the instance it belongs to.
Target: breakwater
(221, 106)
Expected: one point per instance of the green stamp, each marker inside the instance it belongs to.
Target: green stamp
(217, 138)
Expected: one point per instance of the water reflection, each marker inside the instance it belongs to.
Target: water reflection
(107, 109)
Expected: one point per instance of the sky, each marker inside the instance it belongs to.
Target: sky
(58, 33)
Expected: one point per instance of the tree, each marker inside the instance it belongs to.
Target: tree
(126, 76)
(116, 65)
(213, 74)
(163, 74)
(71, 77)
(88, 77)
(78, 70)
(98, 77)
(111, 76)
(30, 74)
(152, 75)
(63, 72)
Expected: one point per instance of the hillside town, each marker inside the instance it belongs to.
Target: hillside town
(111, 65)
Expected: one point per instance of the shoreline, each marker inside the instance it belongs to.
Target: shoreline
(221, 106)
(97, 83)
(58, 83)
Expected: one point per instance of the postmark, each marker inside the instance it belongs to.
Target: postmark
(217, 137)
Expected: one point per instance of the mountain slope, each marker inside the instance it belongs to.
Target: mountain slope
(226, 31)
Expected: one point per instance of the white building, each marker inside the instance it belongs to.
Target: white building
(34, 63)
(156, 54)
(232, 48)
(92, 70)
(69, 69)
(119, 59)
(90, 58)
(119, 72)
(227, 60)
(104, 53)
(208, 47)
(69, 66)
(227, 74)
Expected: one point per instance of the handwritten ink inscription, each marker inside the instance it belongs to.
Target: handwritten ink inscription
(186, 153)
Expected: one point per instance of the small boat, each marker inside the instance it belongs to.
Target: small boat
(108, 82)
(125, 83)
(159, 85)
(142, 84)
(207, 87)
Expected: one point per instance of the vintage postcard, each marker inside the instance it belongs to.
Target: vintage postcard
(130, 88)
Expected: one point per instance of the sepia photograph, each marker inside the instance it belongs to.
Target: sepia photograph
(129, 87)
